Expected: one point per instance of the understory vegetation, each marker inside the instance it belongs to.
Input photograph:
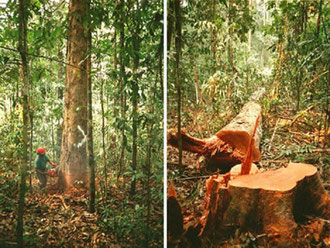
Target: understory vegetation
(126, 53)
(278, 49)
(223, 54)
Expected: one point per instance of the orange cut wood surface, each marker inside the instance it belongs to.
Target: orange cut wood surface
(283, 179)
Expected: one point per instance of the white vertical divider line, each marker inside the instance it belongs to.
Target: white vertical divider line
(165, 121)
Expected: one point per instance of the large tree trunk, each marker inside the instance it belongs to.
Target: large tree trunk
(90, 151)
(229, 146)
(74, 137)
(60, 78)
(22, 30)
(122, 89)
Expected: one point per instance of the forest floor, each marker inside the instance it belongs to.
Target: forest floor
(286, 138)
(54, 219)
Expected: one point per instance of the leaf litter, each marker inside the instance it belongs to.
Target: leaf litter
(54, 219)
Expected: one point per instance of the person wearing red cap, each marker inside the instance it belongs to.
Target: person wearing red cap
(40, 166)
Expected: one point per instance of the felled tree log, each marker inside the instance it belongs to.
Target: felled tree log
(271, 203)
(229, 146)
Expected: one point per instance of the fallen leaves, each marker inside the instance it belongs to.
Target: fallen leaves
(52, 219)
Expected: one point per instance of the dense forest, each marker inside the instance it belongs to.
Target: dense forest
(221, 56)
(82, 96)
(83, 82)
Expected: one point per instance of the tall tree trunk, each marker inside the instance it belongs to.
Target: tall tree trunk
(113, 140)
(178, 24)
(319, 19)
(230, 47)
(31, 145)
(327, 115)
(122, 91)
(250, 31)
(115, 67)
(231, 35)
(90, 148)
(135, 120)
(74, 137)
(22, 30)
(17, 96)
(214, 38)
(134, 151)
(105, 171)
(148, 172)
(160, 64)
(31, 115)
(265, 12)
(52, 135)
(60, 98)
(135, 89)
(299, 79)
(170, 23)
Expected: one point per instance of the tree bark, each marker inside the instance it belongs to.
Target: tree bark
(149, 174)
(214, 38)
(113, 139)
(31, 142)
(135, 89)
(160, 65)
(250, 31)
(115, 67)
(105, 169)
(90, 150)
(231, 35)
(122, 91)
(135, 122)
(22, 31)
(60, 98)
(319, 18)
(178, 24)
(229, 146)
(74, 137)
(170, 23)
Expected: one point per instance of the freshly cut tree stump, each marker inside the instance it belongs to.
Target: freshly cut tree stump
(271, 203)
(229, 146)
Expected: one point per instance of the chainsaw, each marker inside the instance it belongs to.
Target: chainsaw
(52, 172)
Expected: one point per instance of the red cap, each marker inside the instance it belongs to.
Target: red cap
(41, 151)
